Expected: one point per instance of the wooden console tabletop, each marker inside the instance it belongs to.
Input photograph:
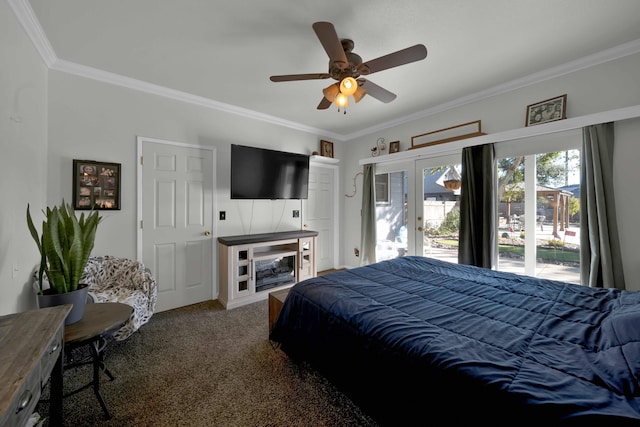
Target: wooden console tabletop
(31, 344)
(265, 237)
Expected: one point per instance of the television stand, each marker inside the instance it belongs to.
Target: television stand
(252, 265)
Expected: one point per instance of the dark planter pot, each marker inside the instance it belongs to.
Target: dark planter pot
(78, 298)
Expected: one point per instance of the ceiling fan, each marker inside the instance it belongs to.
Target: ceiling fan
(347, 68)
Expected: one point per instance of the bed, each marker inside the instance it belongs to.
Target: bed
(415, 339)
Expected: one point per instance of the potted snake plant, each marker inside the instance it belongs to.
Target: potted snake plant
(65, 245)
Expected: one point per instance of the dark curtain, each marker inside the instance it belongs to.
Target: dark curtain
(478, 207)
(368, 216)
(600, 254)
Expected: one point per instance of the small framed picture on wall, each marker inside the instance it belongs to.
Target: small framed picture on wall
(326, 148)
(394, 147)
(548, 110)
(96, 185)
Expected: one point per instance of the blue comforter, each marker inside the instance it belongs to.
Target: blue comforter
(484, 339)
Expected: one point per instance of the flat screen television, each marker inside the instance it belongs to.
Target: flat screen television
(259, 173)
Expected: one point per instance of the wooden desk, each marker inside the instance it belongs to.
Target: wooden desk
(99, 321)
(31, 344)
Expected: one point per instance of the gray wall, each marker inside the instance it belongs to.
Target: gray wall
(62, 117)
(23, 158)
(98, 121)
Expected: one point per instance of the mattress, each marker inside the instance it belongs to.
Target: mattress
(408, 336)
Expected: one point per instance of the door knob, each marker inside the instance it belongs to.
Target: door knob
(420, 229)
(207, 233)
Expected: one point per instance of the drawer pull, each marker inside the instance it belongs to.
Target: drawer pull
(24, 400)
(54, 348)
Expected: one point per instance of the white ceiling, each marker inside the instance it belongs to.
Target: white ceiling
(225, 51)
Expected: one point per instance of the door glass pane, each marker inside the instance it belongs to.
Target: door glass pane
(511, 215)
(391, 215)
(549, 208)
(440, 218)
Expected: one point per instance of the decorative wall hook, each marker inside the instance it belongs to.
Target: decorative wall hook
(380, 147)
(354, 185)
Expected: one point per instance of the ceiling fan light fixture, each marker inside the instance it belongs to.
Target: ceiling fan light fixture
(342, 100)
(348, 86)
(330, 92)
(359, 94)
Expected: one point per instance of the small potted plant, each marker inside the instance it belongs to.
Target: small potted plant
(65, 244)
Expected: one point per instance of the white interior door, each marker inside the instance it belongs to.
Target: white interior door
(176, 207)
(320, 213)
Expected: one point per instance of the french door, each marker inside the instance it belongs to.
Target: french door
(538, 207)
(538, 221)
(394, 202)
(437, 208)
(415, 212)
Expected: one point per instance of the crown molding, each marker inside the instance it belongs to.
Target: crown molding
(32, 27)
(142, 86)
(625, 49)
(23, 11)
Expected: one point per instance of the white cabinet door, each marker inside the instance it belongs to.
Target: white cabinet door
(243, 279)
(306, 258)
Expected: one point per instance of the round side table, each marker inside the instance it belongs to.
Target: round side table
(99, 321)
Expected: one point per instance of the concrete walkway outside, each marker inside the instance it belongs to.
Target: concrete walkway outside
(546, 271)
(544, 232)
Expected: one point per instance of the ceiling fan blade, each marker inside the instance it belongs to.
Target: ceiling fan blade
(292, 77)
(376, 91)
(324, 104)
(401, 57)
(327, 35)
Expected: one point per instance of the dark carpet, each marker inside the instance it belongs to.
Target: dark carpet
(202, 365)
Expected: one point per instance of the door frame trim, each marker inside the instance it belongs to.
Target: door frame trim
(141, 140)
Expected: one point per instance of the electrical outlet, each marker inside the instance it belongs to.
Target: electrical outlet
(296, 213)
(223, 215)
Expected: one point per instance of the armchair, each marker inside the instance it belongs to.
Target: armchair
(113, 279)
